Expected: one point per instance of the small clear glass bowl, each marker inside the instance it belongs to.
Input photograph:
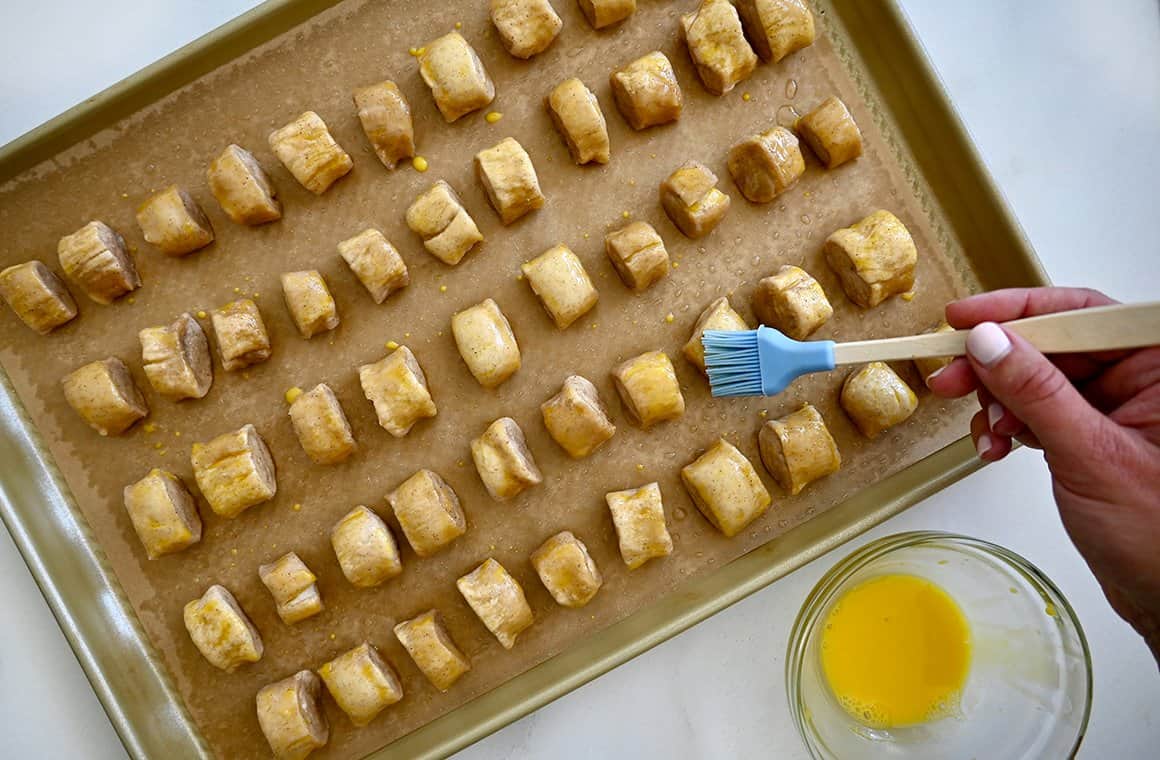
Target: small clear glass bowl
(1028, 693)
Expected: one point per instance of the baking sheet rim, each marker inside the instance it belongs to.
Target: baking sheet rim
(32, 483)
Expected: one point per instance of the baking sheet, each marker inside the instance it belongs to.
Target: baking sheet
(341, 49)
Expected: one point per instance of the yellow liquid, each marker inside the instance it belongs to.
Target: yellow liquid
(896, 651)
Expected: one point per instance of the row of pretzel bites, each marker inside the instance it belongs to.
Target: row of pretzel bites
(235, 471)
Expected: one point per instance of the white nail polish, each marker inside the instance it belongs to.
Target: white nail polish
(934, 374)
(995, 413)
(983, 445)
(988, 344)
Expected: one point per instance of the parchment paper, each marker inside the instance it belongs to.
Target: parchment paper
(316, 67)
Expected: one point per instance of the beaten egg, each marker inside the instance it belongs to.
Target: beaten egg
(896, 651)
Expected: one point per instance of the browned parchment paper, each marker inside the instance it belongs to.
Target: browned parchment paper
(316, 67)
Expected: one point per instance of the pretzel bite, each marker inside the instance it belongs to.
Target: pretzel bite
(507, 174)
(562, 284)
(486, 342)
(163, 513)
(576, 113)
(567, 570)
(504, 461)
(792, 301)
(765, 165)
(321, 426)
(639, 518)
(576, 418)
(691, 199)
(831, 133)
(930, 365)
(638, 254)
(776, 27)
(647, 92)
(438, 217)
(453, 71)
(726, 488)
(172, 221)
(398, 389)
(648, 386)
(309, 301)
(798, 449)
(376, 263)
(365, 548)
(362, 683)
(498, 600)
(293, 586)
(428, 511)
(221, 631)
(434, 651)
(242, 187)
(877, 399)
(37, 296)
(234, 471)
(874, 258)
(717, 45)
(385, 115)
(95, 259)
(291, 717)
(526, 27)
(718, 315)
(241, 334)
(309, 152)
(602, 13)
(104, 395)
(176, 360)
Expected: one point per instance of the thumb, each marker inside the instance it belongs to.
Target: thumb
(1032, 388)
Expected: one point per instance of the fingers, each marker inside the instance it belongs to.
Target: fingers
(1000, 420)
(1035, 391)
(1124, 380)
(1013, 303)
(955, 380)
(990, 446)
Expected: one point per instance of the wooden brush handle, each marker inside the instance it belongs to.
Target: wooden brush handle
(1101, 328)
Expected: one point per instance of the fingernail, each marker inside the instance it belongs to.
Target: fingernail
(935, 374)
(987, 343)
(995, 413)
(983, 445)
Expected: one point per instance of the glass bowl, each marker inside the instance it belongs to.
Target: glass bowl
(1028, 693)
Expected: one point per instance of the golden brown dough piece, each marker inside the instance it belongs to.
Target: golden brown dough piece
(567, 570)
(647, 92)
(234, 471)
(365, 548)
(576, 113)
(385, 115)
(293, 586)
(777, 27)
(309, 152)
(639, 518)
(831, 133)
(242, 187)
(498, 600)
(440, 220)
(717, 45)
(798, 449)
(927, 367)
(321, 426)
(692, 201)
(241, 334)
(767, 164)
(792, 301)
(453, 71)
(504, 461)
(176, 359)
(602, 13)
(428, 511)
(104, 395)
(576, 418)
(37, 296)
(874, 258)
(309, 302)
(726, 488)
(718, 315)
(648, 386)
(221, 631)
(638, 254)
(94, 257)
(172, 221)
(562, 284)
(486, 342)
(398, 389)
(877, 399)
(526, 27)
(434, 651)
(163, 513)
(505, 170)
(290, 714)
(376, 263)
(362, 683)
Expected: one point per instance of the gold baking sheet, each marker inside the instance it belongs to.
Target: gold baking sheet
(340, 49)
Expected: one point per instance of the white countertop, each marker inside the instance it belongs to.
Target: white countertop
(1062, 98)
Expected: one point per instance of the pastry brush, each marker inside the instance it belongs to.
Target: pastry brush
(763, 362)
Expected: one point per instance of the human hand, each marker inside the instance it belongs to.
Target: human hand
(1097, 419)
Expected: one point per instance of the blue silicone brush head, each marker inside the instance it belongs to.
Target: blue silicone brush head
(761, 362)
